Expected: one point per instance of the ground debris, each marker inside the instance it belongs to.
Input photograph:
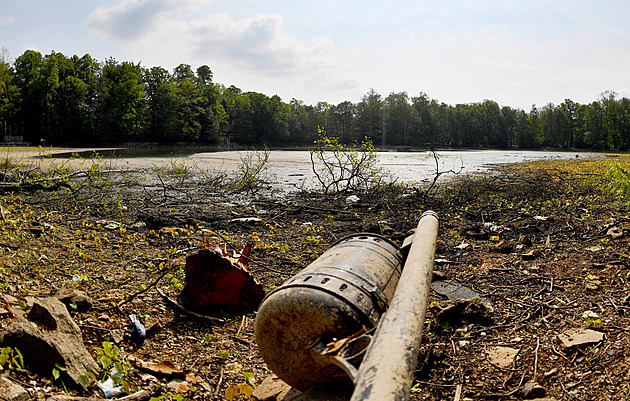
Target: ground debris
(575, 337)
(502, 357)
(216, 280)
(50, 337)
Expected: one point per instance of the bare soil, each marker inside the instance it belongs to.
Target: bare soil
(547, 246)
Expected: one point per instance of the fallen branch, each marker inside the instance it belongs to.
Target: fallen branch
(186, 311)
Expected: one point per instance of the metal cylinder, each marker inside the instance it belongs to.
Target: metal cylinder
(386, 372)
(347, 288)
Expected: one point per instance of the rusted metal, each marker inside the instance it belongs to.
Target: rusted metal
(346, 289)
(386, 372)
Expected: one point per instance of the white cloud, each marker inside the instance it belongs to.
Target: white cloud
(244, 50)
(128, 20)
(6, 20)
(259, 44)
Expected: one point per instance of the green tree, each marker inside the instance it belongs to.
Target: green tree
(342, 122)
(239, 113)
(33, 96)
(119, 116)
(298, 123)
(426, 132)
(162, 105)
(214, 119)
(399, 119)
(370, 117)
(190, 104)
(7, 97)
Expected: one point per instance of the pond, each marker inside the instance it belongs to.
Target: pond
(289, 169)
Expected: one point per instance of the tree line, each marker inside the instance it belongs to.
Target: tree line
(78, 100)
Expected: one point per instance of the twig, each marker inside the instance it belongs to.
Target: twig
(243, 321)
(189, 312)
(458, 393)
(216, 390)
(536, 358)
(131, 297)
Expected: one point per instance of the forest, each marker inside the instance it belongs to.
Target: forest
(58, 100)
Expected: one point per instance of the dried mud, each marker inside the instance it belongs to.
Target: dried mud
(540, 248)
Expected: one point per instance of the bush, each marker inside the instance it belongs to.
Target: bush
(347, 169)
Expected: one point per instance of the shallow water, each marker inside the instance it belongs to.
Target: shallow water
(294, 168)
(289, 169)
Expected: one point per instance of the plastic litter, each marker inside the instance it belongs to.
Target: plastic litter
(352, 199)
(139, 328)
(109, 388)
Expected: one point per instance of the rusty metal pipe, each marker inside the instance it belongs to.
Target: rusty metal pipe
(386, 372)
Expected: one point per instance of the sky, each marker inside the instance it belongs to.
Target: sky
(517, 53)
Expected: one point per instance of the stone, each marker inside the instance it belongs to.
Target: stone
(10, 391)
(74, 299)
(533, 390)
(153, 326)
(50, 337)
(503, 246)
(178, 386)
(615, 232)
(274, 389)
(502, 357)
(581, 336)
(463, 311)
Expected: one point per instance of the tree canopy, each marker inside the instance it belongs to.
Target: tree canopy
(78, 100)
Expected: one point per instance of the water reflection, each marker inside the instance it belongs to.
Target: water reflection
(289, 169)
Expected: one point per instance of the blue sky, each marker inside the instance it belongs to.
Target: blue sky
(518, 53)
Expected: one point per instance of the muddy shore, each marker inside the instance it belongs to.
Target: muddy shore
(534, 239)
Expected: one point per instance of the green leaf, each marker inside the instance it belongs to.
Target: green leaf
(110, 349)
(105, 361)
(56, 374)
(224, 354)
(84, 381)
(20, 358)
(248, 376)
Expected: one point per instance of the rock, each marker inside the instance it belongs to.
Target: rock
(453, 289)
(117, 335)
(580, 336)
(524, 240)
(55, 338)
(178, 386)
(153, 326)
(503, 246)
(10, 391)
(614, 232)
(140, 225)
(71, 296)
(462, 311)
(274, 389)
(502, 357)
(533, 390)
